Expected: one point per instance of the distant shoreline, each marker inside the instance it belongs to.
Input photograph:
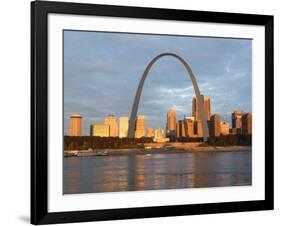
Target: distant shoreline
(178, 150)
(165, 150)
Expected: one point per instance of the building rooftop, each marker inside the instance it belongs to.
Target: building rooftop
(75, 116)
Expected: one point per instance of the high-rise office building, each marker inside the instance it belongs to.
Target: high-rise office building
(237, 119)
(99, 130)
(224, 128)
(171, 120)
(149, 132)
(140, 126)
(171, 124)
(113, 126)
(189, 126)
(198, 128)
(75, 125)
(247, 124)
(215, 125)
(180, 129)
(198, 125)
(206, 107)
(123, 126)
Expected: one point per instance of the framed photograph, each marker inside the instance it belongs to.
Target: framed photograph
(145, 112)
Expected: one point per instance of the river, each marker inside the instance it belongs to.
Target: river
(156, 171)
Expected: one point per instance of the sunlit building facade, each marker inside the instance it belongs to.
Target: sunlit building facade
(75, 125)
(100, 130)
(206, 107)
(171, 131)
(198, 125)
(113, 126)
(149, 132)
(224, 128)
(159, 136)
(215, 125)
(140, 126)
(123, 126)
(189, 126)
(180, 129)
(198, 128)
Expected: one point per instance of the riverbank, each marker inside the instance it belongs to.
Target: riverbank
(177, 150)
(168, 148)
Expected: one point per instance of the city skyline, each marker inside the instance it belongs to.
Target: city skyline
(95, 77)
(186, 127)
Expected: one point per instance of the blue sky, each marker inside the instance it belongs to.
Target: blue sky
(102, 71)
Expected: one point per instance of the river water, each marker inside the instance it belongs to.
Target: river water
(137, 172)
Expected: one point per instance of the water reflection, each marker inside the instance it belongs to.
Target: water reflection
(156, 171)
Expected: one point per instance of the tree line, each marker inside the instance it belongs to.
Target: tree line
(230, 140)
(87, 142)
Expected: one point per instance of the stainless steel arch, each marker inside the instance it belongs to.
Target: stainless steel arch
(134, 111)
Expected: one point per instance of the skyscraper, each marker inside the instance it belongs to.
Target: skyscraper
(113, 126)
(149, 132)
(123, 126)
(247, 124)
(198, 127)
(189, 126)
(185, 127)
(180, 129)
(140, 126)
(215, 125)
(75, 125)
(237, 119)
(206, 106)
(171, 124)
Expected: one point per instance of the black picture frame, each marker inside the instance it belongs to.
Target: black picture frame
(39, 112)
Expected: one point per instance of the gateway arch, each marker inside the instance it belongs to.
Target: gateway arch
(132, 124)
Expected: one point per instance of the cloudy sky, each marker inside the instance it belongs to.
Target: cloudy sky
(102, 72)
